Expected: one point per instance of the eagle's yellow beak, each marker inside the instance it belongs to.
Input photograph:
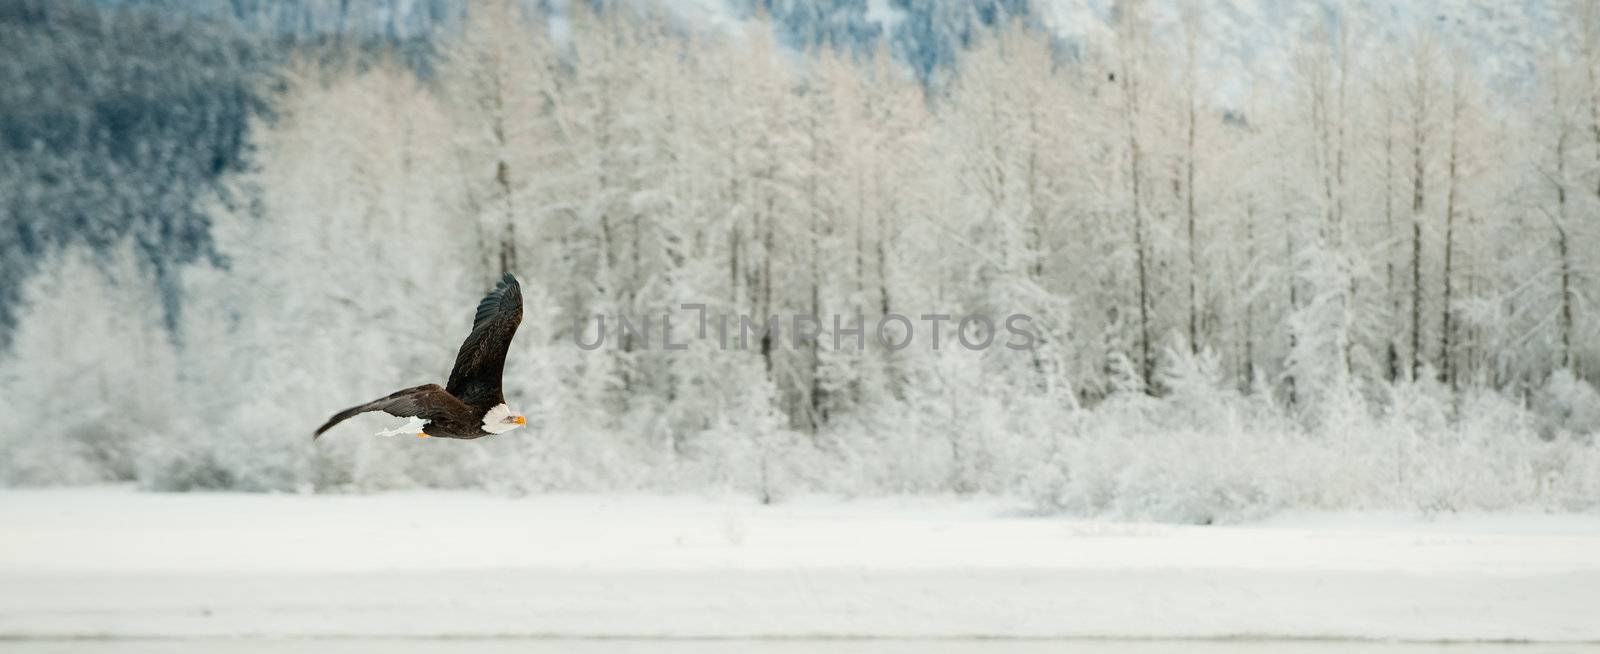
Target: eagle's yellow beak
(522, 420)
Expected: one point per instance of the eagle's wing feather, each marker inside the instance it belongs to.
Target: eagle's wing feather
(428, 401)
(475, 379)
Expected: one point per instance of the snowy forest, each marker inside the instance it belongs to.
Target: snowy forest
(1356, 269)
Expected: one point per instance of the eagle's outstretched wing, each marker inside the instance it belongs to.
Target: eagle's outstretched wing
(428, 402)
(475, 379)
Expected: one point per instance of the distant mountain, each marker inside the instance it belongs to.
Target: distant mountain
(115, 115)
(112, 121)
(1244, 38)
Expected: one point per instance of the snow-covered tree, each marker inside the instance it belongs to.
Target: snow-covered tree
(92, 379)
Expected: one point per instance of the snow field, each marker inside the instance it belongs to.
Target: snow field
(109, 562)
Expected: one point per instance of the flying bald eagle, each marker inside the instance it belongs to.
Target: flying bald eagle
(471, 405)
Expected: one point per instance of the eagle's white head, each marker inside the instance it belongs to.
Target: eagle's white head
(500, 420)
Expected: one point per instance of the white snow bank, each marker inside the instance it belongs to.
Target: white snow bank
(113, 562)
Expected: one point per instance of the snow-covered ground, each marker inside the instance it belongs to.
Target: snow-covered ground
(111, 562)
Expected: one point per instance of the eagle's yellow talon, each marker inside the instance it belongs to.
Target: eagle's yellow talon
(422, 435)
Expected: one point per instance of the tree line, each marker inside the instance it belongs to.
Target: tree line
(1372, 223)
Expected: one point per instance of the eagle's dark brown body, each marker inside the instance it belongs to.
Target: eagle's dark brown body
(462, 407)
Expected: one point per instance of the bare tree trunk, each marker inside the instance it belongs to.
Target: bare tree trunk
(1294, 299)
(1566, 296)
(1590, 23)
(1189, 214)
(1416, 295)
(885, 302)
(814, 414)
(1447, 371)
(1393, 353)
(508, 239)
(1250, 303)
(1191, 38)
(1130, 38)
(734, 244)
(1564, 250)
(1146, 362)
(1035, 225)
(767, 239)
(1418, 201)
(861, 236)
(502, 178)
